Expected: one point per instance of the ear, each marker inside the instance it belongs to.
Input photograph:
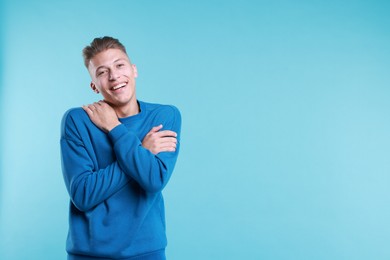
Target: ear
(135, 71)
(94, 88)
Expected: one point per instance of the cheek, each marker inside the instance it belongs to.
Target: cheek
(132, 84)
(98, 87)
(101, 84)
(131, 73)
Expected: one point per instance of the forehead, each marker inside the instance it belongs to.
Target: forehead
(107, 57)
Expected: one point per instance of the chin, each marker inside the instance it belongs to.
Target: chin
(121, 103)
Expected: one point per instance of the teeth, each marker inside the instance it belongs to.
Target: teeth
(119, 86)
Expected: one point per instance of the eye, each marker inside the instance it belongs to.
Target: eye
(101, 72)
(120, 65)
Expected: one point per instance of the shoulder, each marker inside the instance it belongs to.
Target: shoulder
(160, 109)
(74, 115)
(167, 115)
(73, 119)
(75, 112)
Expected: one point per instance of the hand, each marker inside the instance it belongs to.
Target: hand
(102, 115)
(163, 141)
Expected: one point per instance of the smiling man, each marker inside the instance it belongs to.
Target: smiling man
(117, 156)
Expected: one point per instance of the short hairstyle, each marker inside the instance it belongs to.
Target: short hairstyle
(101, 44)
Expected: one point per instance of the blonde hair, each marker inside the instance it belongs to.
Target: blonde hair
(101, 44)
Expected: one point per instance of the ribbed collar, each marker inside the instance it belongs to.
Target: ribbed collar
(134, 118)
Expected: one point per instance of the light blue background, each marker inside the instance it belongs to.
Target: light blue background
(285, 138)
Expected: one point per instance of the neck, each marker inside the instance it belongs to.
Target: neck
(128, 109)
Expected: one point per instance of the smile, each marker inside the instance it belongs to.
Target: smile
(121, 85)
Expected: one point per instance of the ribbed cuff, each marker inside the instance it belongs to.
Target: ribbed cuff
(117, 132)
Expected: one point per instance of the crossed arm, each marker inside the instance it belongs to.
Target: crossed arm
(156, 141)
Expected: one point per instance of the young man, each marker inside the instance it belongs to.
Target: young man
(117, 156)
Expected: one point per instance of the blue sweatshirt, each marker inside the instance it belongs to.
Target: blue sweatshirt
(115, 184)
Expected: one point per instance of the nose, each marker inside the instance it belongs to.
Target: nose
(113, 75)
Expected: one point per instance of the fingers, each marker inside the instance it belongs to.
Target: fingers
(95, 107)
(157, 141)
(101, 103)
(168, 140)
(88, 109)
(155, 129)
(166, 144)
(98, 105)
(91, 109)
(165, 147)
(166, 133)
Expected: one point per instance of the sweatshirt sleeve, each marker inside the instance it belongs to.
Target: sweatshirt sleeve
(151, 172)
(86, 184)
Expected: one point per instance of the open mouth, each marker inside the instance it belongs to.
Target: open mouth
(119, 86)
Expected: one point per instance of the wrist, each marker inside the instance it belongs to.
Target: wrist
(112, 126)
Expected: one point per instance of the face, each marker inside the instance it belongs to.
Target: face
(113, 76)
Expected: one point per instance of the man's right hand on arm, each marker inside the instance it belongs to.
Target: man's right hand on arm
(157, 141)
